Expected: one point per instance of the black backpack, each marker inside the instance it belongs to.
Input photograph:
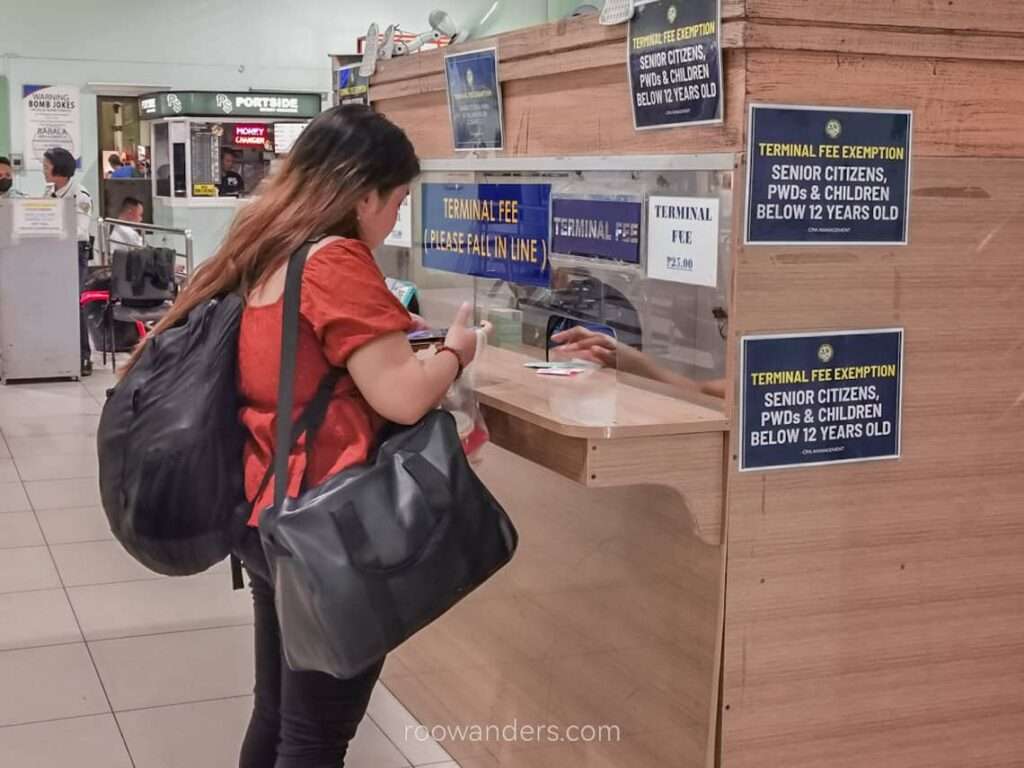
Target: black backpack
(170, 445)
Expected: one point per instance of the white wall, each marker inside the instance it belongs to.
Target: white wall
(196, 45)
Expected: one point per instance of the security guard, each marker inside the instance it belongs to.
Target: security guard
(59, 169)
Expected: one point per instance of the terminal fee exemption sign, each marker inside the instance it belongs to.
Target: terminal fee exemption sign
(675, 63)
(818, 175)
(825, 398)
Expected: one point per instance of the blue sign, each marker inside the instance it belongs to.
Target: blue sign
(607, 229)
(498, 231)
(821, 399)
(823, 175)
(352, 87)
(675, 63)
(474, 100)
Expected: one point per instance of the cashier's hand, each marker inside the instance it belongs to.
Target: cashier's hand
(461, 337)
(581, 344)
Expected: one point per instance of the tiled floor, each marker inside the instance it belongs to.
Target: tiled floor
(104, 664)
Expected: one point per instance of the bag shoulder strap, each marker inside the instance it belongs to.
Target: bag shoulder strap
(288, 433)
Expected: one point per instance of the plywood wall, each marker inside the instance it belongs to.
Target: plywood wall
(609, 615)
(961, 108)
(875, 612)
(565, 93)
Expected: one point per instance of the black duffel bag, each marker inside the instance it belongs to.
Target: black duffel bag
(378, 551)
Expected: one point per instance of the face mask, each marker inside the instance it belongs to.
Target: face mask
(5, 185)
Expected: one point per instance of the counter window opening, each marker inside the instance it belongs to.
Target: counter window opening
(200, 159)
(668, 332)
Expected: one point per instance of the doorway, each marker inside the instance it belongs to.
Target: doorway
(124, 154)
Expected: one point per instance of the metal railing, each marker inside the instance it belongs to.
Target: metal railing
(106, 226)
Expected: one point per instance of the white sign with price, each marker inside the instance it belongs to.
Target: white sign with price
(682, 240)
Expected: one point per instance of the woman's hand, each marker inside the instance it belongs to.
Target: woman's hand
(582, 344)
(461, 337)
(418, 323)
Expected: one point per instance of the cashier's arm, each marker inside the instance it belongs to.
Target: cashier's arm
(600, 348)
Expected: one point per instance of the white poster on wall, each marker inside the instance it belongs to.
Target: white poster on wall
(52, 117)
(401, 235)
(682, 240)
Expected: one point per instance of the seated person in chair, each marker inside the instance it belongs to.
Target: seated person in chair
(122, 236)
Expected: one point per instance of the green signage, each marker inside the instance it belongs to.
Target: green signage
(226, 104)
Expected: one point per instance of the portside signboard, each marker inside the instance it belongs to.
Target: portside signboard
(225, 104)
(828, 175)
(822, 398)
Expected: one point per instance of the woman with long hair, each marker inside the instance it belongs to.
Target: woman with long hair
(343, 182)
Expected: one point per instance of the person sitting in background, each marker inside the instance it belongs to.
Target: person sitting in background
(7, 190)
(123, 236)
(231, 183)
(120, 170)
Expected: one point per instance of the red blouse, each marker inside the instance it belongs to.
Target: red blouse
(345, 304)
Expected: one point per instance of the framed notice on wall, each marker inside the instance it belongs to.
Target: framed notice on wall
(828, 175)
(474, 100)
(675, 63)
(351, 87)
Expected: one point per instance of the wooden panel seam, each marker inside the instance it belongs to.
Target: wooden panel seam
(880, 41)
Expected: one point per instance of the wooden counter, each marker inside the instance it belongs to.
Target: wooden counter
(637, 437)
(615, 590)
(873, 614)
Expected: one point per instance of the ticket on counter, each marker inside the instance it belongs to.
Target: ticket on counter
(561, 371)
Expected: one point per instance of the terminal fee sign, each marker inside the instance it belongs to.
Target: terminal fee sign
(604, 229)
(682, 240)
(675, 63)
(828, 398)
(497, 231)
(818, 175)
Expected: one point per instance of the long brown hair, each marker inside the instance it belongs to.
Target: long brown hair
(343, 155)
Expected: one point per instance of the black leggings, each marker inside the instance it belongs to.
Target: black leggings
(299, 719)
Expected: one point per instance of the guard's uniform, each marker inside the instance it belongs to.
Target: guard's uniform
(83, 221)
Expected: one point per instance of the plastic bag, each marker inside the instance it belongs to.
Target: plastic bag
(462, 403)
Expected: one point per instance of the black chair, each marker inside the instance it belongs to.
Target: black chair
(142, 289)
